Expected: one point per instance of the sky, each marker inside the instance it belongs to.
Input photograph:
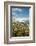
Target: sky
(20, 13)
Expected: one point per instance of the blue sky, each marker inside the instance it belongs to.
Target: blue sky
(20, 13)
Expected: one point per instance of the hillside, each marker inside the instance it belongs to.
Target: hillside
(20, 29)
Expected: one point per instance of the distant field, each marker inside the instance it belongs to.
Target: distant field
(20, 29)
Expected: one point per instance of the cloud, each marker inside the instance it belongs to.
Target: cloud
(13, 13)
(18, 12)
(16, 9)
(21, 19)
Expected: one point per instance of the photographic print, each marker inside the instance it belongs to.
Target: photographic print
(19, 25)
(20, 21)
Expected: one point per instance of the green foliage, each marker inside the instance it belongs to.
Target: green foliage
(20, 29)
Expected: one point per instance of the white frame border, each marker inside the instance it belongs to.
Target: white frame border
(31, 25)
